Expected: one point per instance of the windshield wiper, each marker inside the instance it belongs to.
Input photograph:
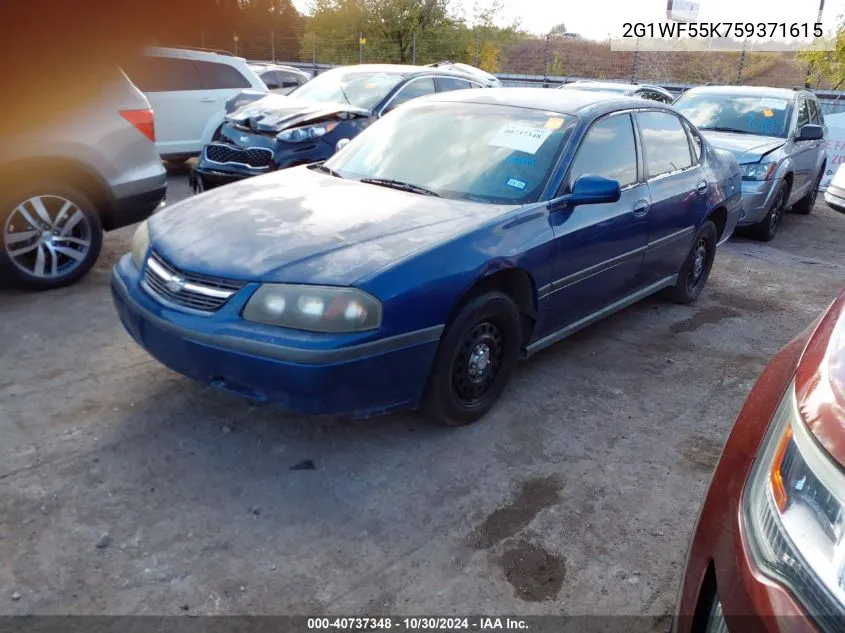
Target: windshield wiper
(401, 186)
(326, 170)
(343, 92)
(726, 129)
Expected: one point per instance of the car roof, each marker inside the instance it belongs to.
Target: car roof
(611, 85)
(403, 69)
(564, 101)
(752, 91)
(187, 53)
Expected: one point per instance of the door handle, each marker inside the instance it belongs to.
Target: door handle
(208, 100)
(640, 208)
(702, 187)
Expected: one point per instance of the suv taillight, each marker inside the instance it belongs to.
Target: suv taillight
(142, 120)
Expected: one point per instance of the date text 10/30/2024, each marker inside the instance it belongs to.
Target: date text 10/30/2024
(416, 624)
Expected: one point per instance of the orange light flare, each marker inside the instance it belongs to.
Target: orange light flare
(775, 475)
(57, 55)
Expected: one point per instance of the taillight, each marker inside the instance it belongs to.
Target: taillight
(142, 120)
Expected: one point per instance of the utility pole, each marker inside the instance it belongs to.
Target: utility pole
(360, 47)
(314, 51)
(547, 60)
(634, 57)
(741, 61)
(414, 48)
(475, 62)
(809, 66)
(272, 45)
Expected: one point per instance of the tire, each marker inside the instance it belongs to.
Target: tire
(475, 360)
(768, 227)
(805, 205)
(696, 268)
(50, 235)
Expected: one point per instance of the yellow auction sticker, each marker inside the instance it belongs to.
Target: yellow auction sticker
(553, 123)
(768, 113)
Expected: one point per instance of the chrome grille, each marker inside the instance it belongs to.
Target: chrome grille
(253, 157)
(190, 291)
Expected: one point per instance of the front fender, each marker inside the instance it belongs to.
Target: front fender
(212, 126)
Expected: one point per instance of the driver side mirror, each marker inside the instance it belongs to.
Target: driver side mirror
(810, 132)
(589, 189)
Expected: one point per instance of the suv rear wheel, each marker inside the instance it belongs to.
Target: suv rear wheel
(50, 235)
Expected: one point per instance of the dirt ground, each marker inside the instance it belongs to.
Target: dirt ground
(127, 489)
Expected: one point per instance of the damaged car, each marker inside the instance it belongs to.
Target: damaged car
(277, 132)
(777, 135)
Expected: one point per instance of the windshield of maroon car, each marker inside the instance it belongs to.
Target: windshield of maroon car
(745, 114)
(470, 151)
(357, 88)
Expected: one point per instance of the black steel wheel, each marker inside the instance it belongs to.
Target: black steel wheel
(696, 267)
(475, 360)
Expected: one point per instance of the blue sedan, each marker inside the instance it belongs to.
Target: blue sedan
(455, 236)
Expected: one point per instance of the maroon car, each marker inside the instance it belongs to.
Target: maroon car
(768, 551)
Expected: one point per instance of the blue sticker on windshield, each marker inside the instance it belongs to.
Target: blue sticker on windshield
(516, 183)
(522, 160)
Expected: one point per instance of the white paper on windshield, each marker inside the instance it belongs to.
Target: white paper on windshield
(521, 138)
(777, 104)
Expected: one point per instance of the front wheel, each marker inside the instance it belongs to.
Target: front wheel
(696, 268)
(475, 360)
(50, 236)
(805, 205)
(767, 228)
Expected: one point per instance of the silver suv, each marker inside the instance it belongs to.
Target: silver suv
(65, 183)
(776, 134)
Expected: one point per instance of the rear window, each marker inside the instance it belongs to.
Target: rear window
(163, 74)
(220, 76)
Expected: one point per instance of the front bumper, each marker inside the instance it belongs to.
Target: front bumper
(134, 208)
(230, 354)
(757, 198)
(835, 198)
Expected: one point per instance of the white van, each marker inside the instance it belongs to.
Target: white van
(188, 90)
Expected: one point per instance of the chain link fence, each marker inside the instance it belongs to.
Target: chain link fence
(520, 60)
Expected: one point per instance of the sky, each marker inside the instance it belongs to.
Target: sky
(590, 18)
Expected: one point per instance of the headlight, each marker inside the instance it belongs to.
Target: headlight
(306, 133)
(794, 510)
(758, 171)
(314, 308)
(140, 244)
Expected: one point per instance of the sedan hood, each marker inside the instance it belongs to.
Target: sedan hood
(301, 226)
(275, 113)
(748, 148)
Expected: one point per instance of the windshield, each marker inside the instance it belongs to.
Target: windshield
(760, 115)
(470, 151)
(362, 89)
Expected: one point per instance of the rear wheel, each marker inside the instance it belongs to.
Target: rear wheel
(805, 205)
(475, 360)
(50, 236)
(696, 269)
(768, 227)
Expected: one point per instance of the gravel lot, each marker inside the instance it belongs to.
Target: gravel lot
(127, 489)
